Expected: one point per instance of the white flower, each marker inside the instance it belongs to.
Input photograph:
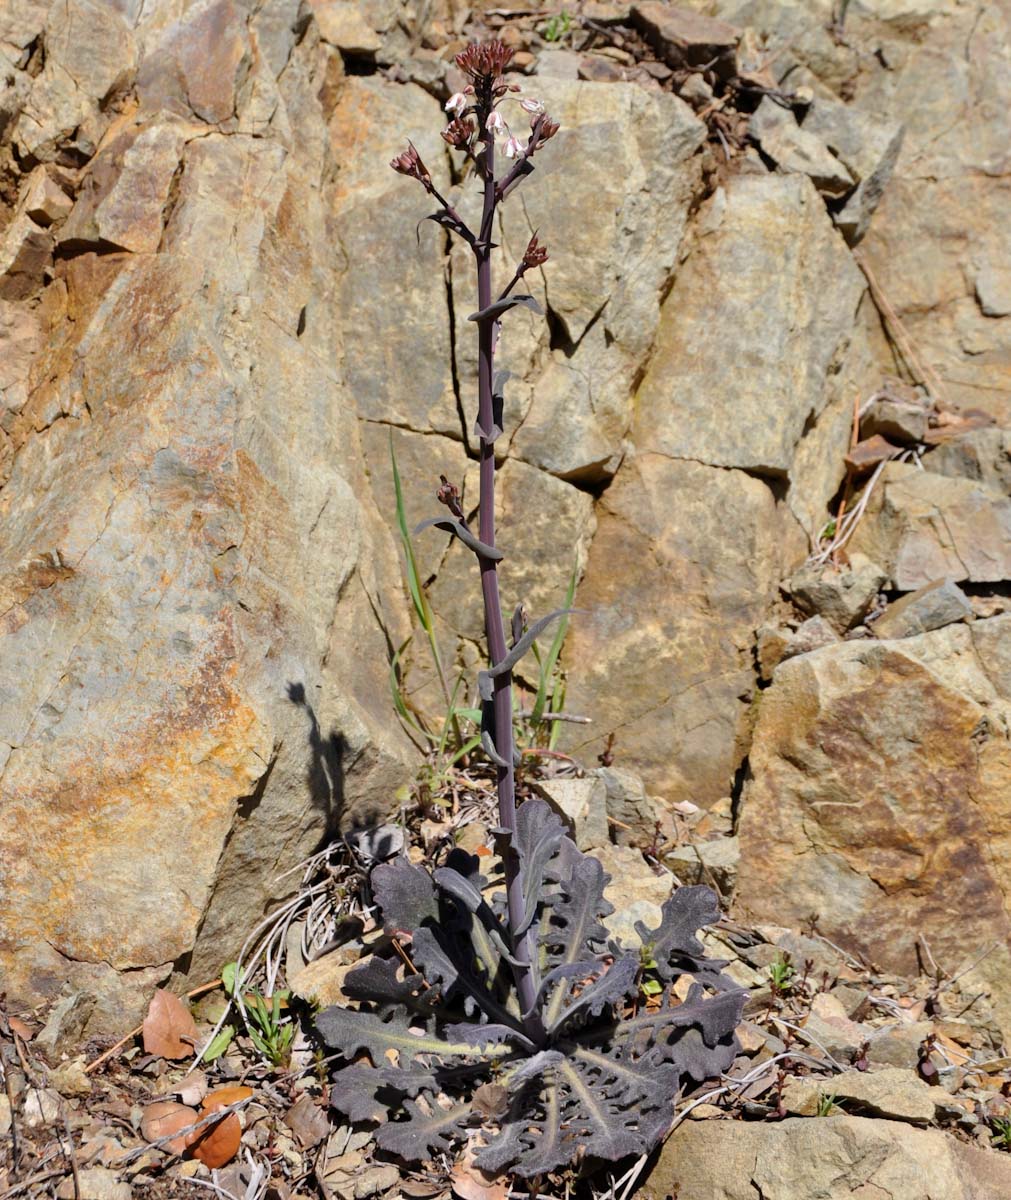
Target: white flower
(456, 103)
(532, 106)
(513, 148)
(496, 123)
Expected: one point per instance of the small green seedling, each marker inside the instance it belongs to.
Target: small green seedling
(269, 1032)
(1001, 1136)
(781, 973)
(558, 27)
(648, 986)
(826, 1102)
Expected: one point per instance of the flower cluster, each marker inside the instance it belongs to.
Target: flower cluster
(484, 61)
(477, 124)
(409, 163)
(459, 133)
(535, 254)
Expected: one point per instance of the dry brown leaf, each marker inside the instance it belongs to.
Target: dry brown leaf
(221, 1097)
(471, 1183)
(165, 1117)
(193, 1088)
(954, 1051)
(24, 1031)
(219, 1143)
(169, 1029)
(307, 1122)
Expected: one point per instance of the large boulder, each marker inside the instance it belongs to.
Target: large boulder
(878, 799)
(192, 676)
(920, 526)
(666, 662)
(662, 656)
(748, 342)
(826, 1158)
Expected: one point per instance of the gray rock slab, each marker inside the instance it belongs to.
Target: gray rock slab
(931, 607)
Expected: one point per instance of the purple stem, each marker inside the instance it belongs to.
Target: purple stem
(494, 624)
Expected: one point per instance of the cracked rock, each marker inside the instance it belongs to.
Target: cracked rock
(26, 253)
(879, 777)
(582, 805)
(43, 199)
(921, 526)
(628, 803)
(798, 151)
(843, 594)
(993, 289)
(768, 237)
(895, 420)
(683, 37)
(931, 607)
(832, 1158)
(124, 192)
(980, 454)
(812, 634)
(713, 863)
(894, 1092)
(867, 146)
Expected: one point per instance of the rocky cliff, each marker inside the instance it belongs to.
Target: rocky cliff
(779, 300)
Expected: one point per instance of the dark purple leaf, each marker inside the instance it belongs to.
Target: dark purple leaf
(494, 311)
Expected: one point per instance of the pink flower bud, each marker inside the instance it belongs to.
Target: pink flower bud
(532, 106)
(513, 148)
(496, 123)
(456, 103)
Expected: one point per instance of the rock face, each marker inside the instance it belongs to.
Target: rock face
(770, 234)
(831, 1158)
(654, 665)
(880, 776)
(192, 561)
(213, 315)
(925, 526)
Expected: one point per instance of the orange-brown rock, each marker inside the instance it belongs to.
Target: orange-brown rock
(880, 799)
(192, 675)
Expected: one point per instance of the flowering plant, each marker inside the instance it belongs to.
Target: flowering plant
(522, 1025)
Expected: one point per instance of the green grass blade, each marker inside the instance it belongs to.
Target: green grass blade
(547, 667)
(400, 704)
(467, 748)
(417, 591)
(413, 575)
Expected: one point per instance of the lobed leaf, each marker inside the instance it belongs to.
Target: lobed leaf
(428, 1129)
(354, 1032)
(406, 895)
(539, 834)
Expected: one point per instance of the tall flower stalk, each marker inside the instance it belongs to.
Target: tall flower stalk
(478, 123)
(523, 1022)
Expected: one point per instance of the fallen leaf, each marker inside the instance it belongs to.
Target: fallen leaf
(169, 1028)
(221, 1097)
(165, 1117)
(422, 1191)
(491, 1100)
(218, 1144)
(24, 1031)
(193, 1088)
(471, 1183)
(307, 1122)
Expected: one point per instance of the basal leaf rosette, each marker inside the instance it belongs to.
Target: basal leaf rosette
(594, 1067)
